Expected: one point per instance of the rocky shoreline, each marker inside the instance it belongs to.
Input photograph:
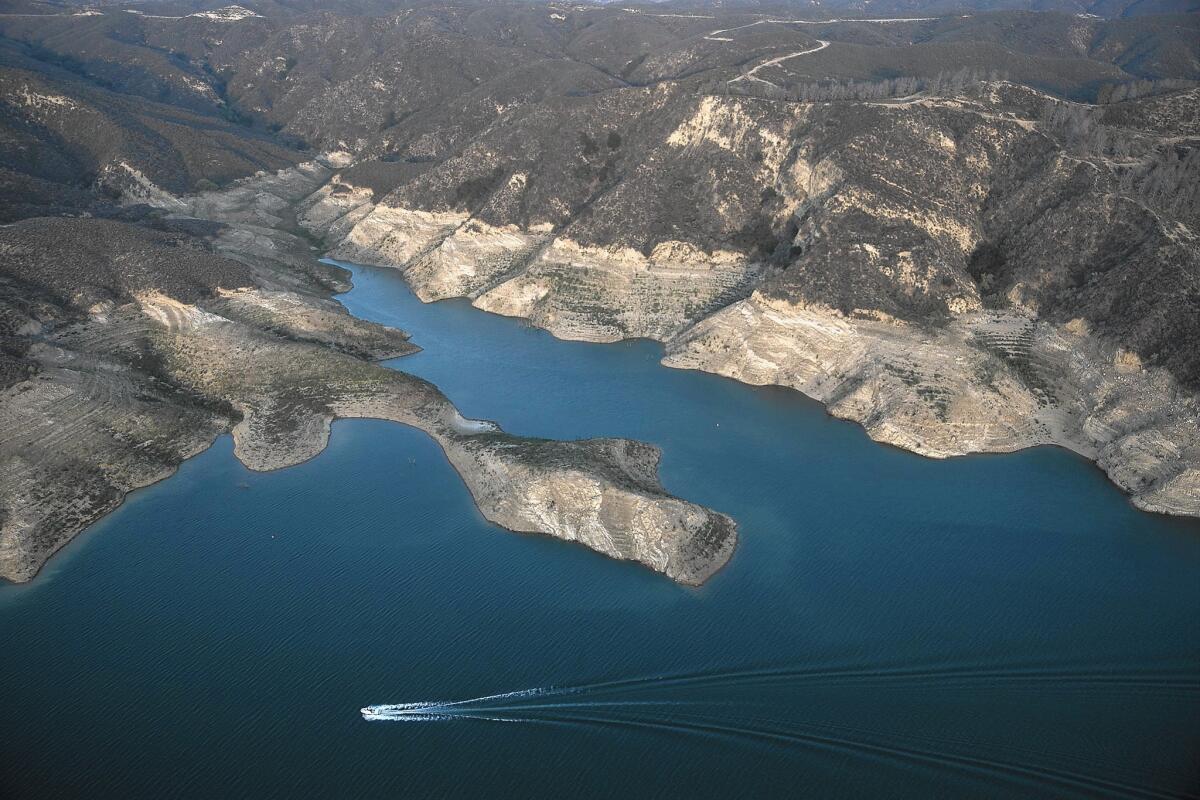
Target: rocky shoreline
(991, 382)
(814, 267)
(923, 347)
(942, 394)
(121, 390)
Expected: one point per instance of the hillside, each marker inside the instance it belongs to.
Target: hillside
(967, 231)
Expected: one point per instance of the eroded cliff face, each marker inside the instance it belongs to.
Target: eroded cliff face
(948, 271)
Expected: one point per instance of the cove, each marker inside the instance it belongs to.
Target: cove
(889, 626)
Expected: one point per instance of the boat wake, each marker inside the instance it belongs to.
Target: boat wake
(737, 704)
(444, 709)
(1029, 677)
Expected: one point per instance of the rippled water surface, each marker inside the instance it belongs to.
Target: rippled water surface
(890, 626)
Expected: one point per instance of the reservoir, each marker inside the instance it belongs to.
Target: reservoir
(889, 626)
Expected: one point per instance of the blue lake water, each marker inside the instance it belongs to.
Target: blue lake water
(890, 626)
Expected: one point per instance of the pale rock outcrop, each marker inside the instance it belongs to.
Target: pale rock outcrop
(334, 209)
(473, 259)
(264, 199)
(606, 294)
(392, 236)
